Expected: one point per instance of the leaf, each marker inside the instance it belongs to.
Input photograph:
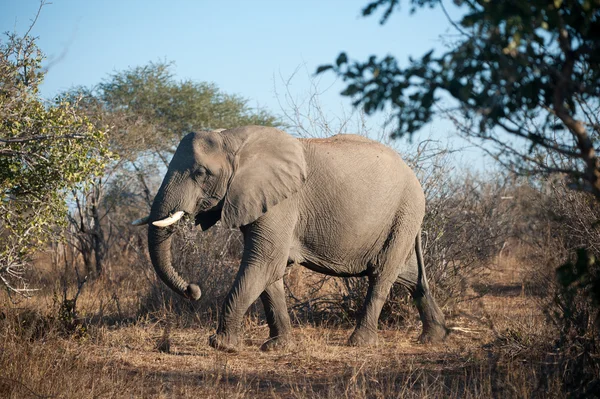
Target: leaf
(427, 57)
(341, 59)
(323, 68)
(350, 90)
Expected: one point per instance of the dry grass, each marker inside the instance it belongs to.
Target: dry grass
(494, 351)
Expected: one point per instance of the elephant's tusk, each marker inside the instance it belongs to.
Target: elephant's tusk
(141, 222)
(170, 220)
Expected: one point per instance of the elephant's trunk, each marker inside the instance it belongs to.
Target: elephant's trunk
(159, 246)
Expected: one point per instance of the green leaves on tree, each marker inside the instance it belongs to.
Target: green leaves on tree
(516, 68)
(46, 149)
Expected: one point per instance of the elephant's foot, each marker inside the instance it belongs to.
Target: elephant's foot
(434, 323)
(277, 343)
(363, 337)
(224, 342)
(433, 334)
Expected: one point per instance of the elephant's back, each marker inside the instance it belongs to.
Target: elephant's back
(340, 138)
(351, 156)
(353, 144)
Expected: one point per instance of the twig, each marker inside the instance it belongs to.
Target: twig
(29, 390)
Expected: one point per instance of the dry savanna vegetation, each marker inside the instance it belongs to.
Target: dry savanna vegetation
(512, 254)
(491, 252)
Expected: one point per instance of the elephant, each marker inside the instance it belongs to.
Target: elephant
(343, 206)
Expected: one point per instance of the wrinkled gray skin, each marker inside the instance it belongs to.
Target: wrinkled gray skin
(343, 206)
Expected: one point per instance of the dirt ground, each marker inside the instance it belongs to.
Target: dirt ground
(484, 356)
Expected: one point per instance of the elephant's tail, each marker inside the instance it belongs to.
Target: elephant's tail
(422, 277)
(434, 323)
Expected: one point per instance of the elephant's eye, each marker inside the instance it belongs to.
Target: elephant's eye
(200, 172)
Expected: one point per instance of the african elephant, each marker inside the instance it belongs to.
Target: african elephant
(343, 206)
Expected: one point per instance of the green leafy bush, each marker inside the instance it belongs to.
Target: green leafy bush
(46, 149)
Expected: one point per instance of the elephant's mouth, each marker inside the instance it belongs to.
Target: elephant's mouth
(208, 204)
(204, 205)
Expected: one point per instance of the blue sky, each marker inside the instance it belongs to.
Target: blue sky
(244, 47)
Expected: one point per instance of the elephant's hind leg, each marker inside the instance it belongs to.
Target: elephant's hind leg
(273, 299)
(434, 324)
(382, 276)
(434, 327)
(365, 333)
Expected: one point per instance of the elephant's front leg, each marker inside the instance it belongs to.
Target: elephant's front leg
(263, 265)
(273, 299)
(248, 285)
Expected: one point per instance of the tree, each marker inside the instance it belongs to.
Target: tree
(524, 78)
(149, 112)
(159, 110)
(46, 149)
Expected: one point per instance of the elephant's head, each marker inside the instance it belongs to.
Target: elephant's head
(234, 176)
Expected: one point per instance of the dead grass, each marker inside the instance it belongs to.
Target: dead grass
(493, 351)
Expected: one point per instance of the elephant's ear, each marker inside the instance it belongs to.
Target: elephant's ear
(270, 166)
